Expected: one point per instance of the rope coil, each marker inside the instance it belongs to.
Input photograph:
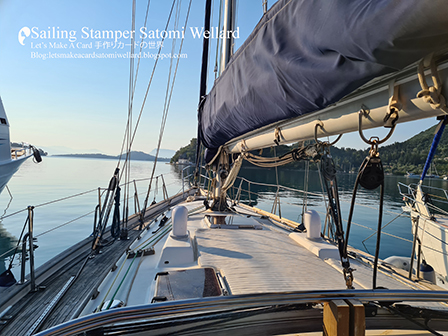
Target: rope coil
(431, 94)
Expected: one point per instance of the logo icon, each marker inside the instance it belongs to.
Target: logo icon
(23, 33)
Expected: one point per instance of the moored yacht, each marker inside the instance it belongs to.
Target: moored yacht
(11, 158)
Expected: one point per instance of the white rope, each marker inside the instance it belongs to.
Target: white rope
(233, 174)
(432, 95)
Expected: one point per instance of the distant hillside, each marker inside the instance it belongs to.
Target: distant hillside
(411, 154)
(135, 155)
(188, 152)
(398, 158)
(165, 153)
(55, 150)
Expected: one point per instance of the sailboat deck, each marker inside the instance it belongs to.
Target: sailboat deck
(30, 308)
(264, 261)
(251, 255)
(269, 260)
(23, 310)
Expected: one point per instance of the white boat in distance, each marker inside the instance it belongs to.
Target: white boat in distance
(201, 263)
(11, 158)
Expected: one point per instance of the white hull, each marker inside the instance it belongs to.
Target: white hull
(10, 158)
(9, 168)
(433, 235)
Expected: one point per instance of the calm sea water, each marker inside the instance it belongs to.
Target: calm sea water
(57, 177)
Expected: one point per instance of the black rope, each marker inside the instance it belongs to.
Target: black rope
(328, 170)
(411, 318)
(370, 176)
(106, 209)
(115, 227)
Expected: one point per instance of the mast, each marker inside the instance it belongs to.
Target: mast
(221, 165)
(203, 84)
(228, 29)
(205, 48)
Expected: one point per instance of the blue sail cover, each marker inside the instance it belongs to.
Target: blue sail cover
(307, 54)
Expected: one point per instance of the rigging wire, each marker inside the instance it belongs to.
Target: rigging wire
(127, 164)
(235, 24)
(130, 135)
(165, 112)
(327, 215)
(150, 80)
(167, 105)
(134, 86)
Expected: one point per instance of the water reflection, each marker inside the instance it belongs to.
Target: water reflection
(56, 178)
(7, 245)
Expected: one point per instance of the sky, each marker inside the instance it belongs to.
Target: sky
(82, 103)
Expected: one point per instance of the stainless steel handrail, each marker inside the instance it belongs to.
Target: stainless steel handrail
(183, 178)
(410, 196)
(169, 309)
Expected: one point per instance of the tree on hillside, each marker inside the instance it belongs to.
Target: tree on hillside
(188, 152)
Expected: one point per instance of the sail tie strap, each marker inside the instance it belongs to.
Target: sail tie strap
(431, 94)
(277, 136)
(218, 153)
(233, 174)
